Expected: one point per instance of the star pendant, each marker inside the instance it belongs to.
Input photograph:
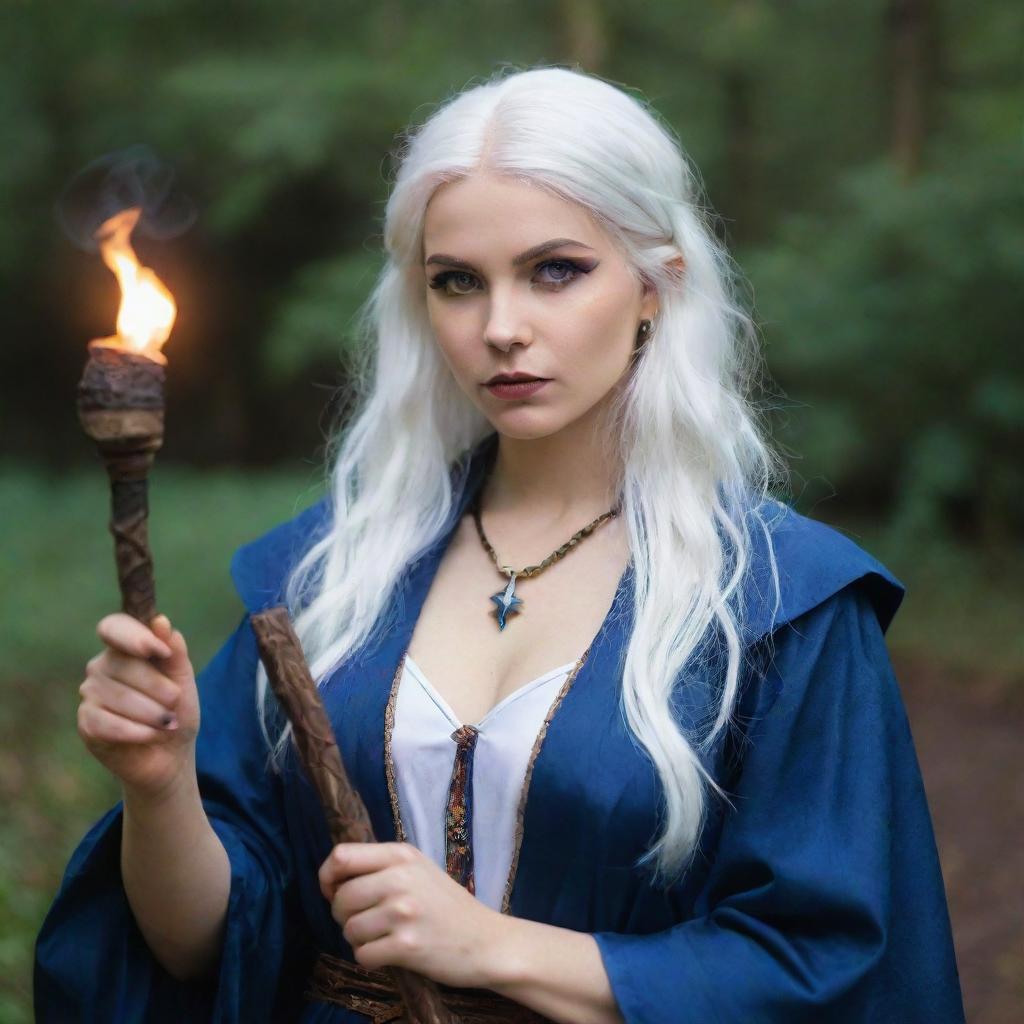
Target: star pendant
(507, 601)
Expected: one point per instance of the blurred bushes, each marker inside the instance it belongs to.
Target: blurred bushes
(60, 553)
(896, 320)
(884, 252)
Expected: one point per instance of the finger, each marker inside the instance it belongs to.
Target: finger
(358, 929)
(178, 664)
(346, 860)
(388, 951)
(139, 675)
(102, 726)
(125, 633)
(162, 629)
(127, 702)
(355, 894)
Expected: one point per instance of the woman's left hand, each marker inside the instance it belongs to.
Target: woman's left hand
(397, 908)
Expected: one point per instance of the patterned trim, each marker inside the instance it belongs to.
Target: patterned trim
(389, 764)
(524, 792)
(458, 818)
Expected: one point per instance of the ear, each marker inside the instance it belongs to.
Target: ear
(649, 303)
(677, 268)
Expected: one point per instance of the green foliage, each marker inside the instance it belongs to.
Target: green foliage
(319, 319)
(888, 301)
(963, 605)
(895, 319)
(58, 549)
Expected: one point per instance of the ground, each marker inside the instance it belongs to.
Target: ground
(969, 734)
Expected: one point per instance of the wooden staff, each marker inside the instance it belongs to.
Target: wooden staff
(347, 817)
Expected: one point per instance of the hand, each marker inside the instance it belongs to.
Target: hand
(139, 713)
(397, 908)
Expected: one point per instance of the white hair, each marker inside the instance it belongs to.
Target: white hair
(696, 460)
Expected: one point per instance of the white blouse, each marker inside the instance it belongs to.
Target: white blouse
(423, 754)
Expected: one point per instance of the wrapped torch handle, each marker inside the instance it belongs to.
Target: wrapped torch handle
(129, 524)
(347, 817)
(121, 407)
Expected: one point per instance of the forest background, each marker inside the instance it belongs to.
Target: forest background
(865, 164)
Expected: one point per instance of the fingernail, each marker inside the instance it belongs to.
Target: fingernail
(169, 722)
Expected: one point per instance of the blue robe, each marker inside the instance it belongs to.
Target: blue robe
(819, 898)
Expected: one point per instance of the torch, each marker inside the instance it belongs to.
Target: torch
(121, 406)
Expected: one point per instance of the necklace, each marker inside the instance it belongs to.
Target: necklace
(506, 600)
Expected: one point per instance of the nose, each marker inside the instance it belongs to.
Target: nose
(505, 326)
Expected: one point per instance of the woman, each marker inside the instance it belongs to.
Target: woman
(626, 727)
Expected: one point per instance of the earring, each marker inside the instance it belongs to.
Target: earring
(644, 331)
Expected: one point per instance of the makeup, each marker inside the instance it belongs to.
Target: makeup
(554, 275)
(512, 391)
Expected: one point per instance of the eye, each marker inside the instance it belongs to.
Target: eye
(552, 274)
(564, 271)
(441, 280)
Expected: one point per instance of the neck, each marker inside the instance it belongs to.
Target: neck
(567, 477)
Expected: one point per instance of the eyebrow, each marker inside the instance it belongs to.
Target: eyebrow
(523, 257)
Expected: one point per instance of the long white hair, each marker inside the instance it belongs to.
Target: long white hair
(696, 459)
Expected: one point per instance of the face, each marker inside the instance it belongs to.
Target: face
(521, 281)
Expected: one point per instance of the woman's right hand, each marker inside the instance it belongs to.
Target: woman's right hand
(139, 714)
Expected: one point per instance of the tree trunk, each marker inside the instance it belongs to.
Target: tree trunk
(909, 26)
(585, 33)
(741, 197)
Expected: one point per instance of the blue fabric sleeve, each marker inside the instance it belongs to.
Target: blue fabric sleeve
(825, 899)
(92, 963)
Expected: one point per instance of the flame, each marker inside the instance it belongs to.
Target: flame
(147, 311)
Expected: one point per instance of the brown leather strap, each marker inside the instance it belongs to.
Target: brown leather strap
(370, 992)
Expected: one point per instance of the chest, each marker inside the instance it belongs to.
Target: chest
(588, 805)
(475, 666)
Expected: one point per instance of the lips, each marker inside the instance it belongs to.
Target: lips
(513, 378)
(516, 390)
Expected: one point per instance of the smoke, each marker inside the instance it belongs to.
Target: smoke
(130, 177)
